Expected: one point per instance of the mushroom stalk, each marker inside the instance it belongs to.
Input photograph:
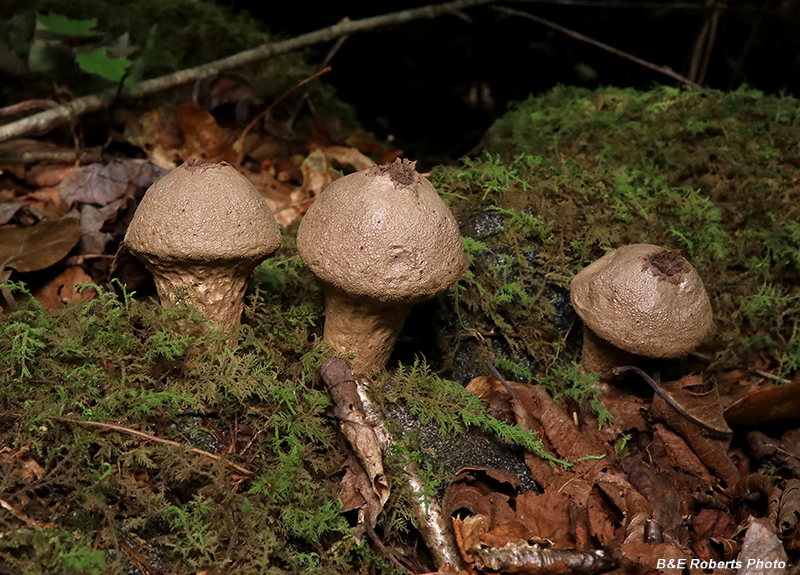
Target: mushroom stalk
(201, 230)
(601, 357)
(367, 327)
(216, 289)
(380, 241)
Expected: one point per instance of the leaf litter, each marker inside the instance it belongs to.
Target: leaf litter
(667, 492)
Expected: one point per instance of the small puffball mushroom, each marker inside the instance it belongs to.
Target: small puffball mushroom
(639, 301)
(201, 230)
(381, 241)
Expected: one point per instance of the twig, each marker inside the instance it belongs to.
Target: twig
(772, 376)
(325, 64)
(701, 55)
(58, 156)
(666, 70)
(136, 433)
(498, 376)
(712, 36)
(27, 106)
(24, 518)
(50, 119)
(239, 145)
(672, 403)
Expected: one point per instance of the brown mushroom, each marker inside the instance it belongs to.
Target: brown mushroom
(381, 241)
(201, 230)
(639, 301)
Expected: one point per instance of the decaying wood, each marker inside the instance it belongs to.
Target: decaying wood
(432, 522)
(49, 119)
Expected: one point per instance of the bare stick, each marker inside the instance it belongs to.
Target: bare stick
(136, 433)
(667, 71)
(240, 140)
(24, 518)
(44, 121)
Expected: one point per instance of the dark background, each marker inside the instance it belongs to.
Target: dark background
(435, 85)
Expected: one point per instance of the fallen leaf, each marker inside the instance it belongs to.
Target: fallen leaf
(47, 202)
(762, 550)
(316, 176)
(101, 185)
(276, 194)
(46, 175)
(8, 210)
(349, 410)
(768, 405)
(62, 289)
(37, 247)
(347, 156)
(157, 132)
(710, 440)
(31, 471)
(93, 241)
(203, 138)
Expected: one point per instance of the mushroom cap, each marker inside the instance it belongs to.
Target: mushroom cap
(383, 233)
(203, 212)
(645, 300)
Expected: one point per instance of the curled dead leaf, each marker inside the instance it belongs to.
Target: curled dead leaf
(39, 246)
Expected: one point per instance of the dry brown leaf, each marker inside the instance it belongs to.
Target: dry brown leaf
(789, 514)
(762, 552)
(360, 435)
(62, 289)
(704, 406)
(316, 177)
(277, 195)
(102, 185)
(771, 404)
(157, 132)
(203, 138)
(495, 395)
(547, 516)
(356, 493)
(347, 156)
(47, 202)
(31, 471)
(484, 492)
(37, 247)
(47, 175)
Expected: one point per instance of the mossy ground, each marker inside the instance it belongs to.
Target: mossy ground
(569, 176)
(575, 173)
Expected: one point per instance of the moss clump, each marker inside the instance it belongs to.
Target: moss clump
(574, 173)
(108, 499)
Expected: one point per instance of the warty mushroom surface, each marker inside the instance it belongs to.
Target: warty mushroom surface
(201, 230)
(639, 301)
(381, 241)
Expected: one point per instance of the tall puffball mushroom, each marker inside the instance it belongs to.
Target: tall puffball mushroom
(639, 301)
(201, 230)
(381, 241)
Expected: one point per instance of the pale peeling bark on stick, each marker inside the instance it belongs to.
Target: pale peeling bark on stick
(49, 119)
(433, 523)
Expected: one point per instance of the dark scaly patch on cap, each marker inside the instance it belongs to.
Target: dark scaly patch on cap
(668, 264)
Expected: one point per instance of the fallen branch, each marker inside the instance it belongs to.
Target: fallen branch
(45, 121)
(24, 518)
(136, 433)
(433, 523)
(666, 70)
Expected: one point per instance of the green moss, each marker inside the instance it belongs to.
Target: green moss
(570, 175)
(711, 173)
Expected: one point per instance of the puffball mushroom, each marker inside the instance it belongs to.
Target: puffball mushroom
(201, 230)
(381, 241)
(639, 301)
